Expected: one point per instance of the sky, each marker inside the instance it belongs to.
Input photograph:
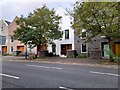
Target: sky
(11, 8)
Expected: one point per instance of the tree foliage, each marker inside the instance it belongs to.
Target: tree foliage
(39, 27)
(97, 18)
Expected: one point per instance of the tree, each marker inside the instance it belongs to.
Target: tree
(39, 27)
(98, 18)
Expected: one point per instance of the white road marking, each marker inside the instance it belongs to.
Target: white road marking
(111, 74)
(44, 67)
(64, 88)
(10, 76)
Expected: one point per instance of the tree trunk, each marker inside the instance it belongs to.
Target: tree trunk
(38, 50)
(111, 51)
(26, 51)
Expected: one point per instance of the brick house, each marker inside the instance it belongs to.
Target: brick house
(15, 45)
(96, 48)
(4, 36)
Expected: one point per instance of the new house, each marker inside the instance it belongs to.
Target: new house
(65, 43)
(97, 48)
(9, 45)
(4, 36)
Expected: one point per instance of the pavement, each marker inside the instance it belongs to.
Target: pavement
(73, 61)
(28, 74)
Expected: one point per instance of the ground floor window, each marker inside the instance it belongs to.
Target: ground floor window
(12, 49)
(84, 48)
(53, 48)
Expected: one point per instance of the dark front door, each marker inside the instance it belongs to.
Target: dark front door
(65, 47)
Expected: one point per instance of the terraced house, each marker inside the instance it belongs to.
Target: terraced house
(9, 45)
(61, 46)
(4, 47)
(97, 48)
(69, 41)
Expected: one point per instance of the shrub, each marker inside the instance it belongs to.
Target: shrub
(115, 57)
(81, 55)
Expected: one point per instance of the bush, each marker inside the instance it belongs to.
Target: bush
(115, 57)
(50, 54)
(81, 55)
(5, 54)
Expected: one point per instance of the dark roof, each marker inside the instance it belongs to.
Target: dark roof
(7, 22)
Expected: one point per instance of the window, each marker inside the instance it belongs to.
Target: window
(3, 40)
(66, 34)
(30, 49)
(12, 39)
(60, 20)
(84, 48)
(12, 49)
(53, 48)
(83, 34)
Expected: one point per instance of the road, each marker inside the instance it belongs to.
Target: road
(17, 74)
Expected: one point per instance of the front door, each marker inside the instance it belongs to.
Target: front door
(117, 49)
(4, 50)
(105, 50)
(65, 47)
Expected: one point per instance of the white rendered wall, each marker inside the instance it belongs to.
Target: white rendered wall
(65, 24)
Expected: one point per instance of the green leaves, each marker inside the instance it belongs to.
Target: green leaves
(92, 16)
(40, 27)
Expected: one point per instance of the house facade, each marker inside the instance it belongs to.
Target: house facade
(4, 36)
(97, 48)
(65, 43)
(10, 44)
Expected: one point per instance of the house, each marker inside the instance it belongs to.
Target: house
(65, 43)
(97, 48)
(4, 36)
(15, 45)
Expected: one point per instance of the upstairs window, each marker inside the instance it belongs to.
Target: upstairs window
(60, 20)
(67, 34)
(83, 34)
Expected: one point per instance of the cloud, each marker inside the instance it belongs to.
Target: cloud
(12, 8)
(39, 1)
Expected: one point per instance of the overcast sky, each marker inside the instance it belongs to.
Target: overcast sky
(11, 8)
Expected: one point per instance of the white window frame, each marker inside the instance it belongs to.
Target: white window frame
(86, 48)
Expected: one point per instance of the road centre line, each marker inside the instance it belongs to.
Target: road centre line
(64, 88)
(44, 66)
(10, 76)
(111, 74)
